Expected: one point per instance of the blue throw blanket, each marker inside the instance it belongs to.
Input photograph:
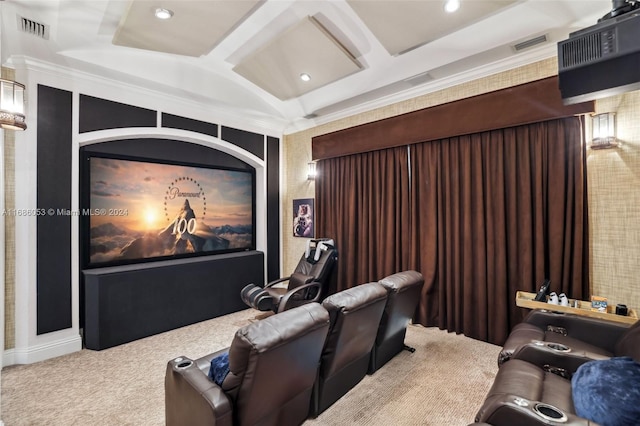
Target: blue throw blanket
(219, 368)
(608, 391)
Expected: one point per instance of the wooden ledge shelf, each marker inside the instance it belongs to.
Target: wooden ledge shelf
(526, 300)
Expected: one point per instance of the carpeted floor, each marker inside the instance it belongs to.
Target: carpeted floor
(443, 383)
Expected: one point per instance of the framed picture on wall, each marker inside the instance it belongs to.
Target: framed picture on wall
(303, 218)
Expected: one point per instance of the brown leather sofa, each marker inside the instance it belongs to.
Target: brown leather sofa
(272, 369)
(354, 314)
(403, 294)
(572, 336)
(524, 394)
(533, 384)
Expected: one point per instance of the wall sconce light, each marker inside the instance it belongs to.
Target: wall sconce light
(12, 105)
(311, 170)
(603, 131)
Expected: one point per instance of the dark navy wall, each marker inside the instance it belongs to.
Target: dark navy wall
(101, 114)
(252, 142)
(53, 250)
(273, 208)
(182, 123)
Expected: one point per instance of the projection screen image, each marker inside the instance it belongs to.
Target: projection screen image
(142, 210)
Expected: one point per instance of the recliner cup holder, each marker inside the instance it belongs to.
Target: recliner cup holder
(550, 413)
(182, 363)
(559, 347)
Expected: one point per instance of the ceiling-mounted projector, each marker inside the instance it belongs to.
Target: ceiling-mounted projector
(602, 60)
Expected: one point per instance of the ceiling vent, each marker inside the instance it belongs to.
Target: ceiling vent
(32, 27)
(530, 43)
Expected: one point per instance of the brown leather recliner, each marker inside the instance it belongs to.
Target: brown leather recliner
(403, 295)
(578, 337)
(534, 386)
(355, 315)
(272, 368)
(524, 394)
(308, 283)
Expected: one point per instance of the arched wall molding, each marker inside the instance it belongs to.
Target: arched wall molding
(92, 138)
(101, 136)
(104, 136)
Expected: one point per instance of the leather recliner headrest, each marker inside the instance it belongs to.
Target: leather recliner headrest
(355, 298)
(275, 330)
(402, 280)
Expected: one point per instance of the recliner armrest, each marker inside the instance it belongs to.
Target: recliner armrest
(296, 279)
(597, 332)
(278, 281)
(192, 398)
(542, 354)
(282, 306)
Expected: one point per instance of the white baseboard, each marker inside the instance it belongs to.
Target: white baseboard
(42, 352)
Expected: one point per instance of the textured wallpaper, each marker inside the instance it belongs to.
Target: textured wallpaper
(614, 206)
(613, 180)
(9, 234)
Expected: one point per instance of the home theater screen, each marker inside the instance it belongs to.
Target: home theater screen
(140, 210)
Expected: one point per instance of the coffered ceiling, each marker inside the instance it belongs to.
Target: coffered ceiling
(297, 61)
(193, 29)
(248, 56)
(403, 26)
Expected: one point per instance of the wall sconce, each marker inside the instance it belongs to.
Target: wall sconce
(311, 170)
(12, 105)
(603, 131)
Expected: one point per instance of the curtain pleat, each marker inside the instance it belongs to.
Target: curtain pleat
(485, 215)
(362, 203)
(494, 213)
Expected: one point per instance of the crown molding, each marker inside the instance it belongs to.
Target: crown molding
(513, 62)
(87, 83)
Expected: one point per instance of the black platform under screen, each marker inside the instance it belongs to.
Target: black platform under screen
(125, 303)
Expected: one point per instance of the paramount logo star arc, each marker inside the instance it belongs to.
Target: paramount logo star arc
(183, 198)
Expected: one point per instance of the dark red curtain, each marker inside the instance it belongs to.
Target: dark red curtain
(493, 213)
(362, 202)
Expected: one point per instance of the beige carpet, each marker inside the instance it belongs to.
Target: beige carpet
(443, 383)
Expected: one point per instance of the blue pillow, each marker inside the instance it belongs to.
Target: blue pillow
(219, 368)
(608, 391)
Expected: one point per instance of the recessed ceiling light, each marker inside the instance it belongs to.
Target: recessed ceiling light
(452, 5)
(305, 77)
(163, 13)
